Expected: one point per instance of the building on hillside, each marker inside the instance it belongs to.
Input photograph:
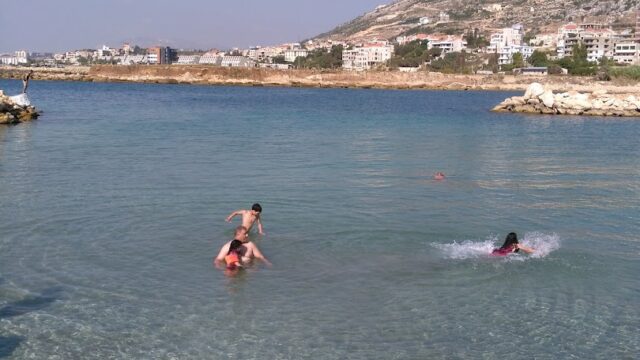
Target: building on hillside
(599, 43)
(446, 43)
(638, 25)
(544, 41)
(367, 55)
(423, 20)
(506, 37)
(508, 42)
(405, 39)
(237, 61)
(597, 40)
(293, 54)
(444, 17)
(626, 52)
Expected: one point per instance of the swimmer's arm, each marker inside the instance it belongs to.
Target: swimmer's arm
(233, 214)
(258, 255)
(526, 249)
(259, 226)
(219, 260)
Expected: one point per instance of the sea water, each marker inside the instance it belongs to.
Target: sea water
(112, 206)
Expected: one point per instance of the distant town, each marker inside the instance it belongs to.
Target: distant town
(509, 49)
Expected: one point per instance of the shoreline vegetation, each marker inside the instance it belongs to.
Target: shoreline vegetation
(210, 75)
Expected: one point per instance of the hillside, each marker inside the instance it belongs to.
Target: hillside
(403, 16)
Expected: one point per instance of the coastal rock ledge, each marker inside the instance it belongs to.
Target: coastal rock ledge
(541, 100)
(13, 113)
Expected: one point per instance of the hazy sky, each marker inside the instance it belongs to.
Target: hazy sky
(56, 25)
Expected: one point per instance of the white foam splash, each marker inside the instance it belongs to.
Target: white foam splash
(543, 244)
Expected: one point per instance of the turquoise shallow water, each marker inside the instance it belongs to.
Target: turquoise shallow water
(112, 206)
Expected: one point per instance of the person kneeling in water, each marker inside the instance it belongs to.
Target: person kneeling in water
(511, 245)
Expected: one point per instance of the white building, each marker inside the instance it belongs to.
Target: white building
(444, 17)
(291, 55)
(505, 53)
(22, 56)
(506, 37)
(152, 58)
(6, 59)
(446, 43)
(211, 57)
(237, 61)
(423, 20)
(367, 55)
(508, 42)
(626, 52)
(105, 53)
(188, 59)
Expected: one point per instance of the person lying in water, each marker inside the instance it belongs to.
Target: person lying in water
(249, 217)
(246, 252)
(511, 245)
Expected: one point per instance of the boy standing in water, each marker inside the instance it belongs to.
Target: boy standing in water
(249, 217)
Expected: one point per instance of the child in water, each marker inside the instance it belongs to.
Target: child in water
(511, 245)
(249, 217)
(233, 256)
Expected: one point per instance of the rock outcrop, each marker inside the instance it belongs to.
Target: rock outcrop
(541, 100)
(12, 113)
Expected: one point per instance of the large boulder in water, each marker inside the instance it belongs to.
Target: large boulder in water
(547, 98)
(16, 109)
(533, 91)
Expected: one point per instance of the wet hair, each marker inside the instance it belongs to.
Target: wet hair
(510, 240)
(234, 246)
(256, 207)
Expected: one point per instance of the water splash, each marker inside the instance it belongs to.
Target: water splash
(544, 244)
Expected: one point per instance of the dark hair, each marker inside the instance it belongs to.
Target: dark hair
(511, 240)
(234, 246)
(256, 207)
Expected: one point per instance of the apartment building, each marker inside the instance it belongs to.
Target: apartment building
(446, 43)
(292, 54)
(367, 55)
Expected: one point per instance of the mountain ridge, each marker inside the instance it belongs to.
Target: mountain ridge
(539, 16)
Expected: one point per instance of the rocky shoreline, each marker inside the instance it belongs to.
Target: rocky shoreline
(539, 99)
(212, 75)
(13, 113)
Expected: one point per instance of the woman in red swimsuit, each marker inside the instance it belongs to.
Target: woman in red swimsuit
(511, 245)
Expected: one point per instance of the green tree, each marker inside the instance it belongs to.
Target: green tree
(321, 59)
(518, 60)
(453, 62)
(538, 58)
(278, 59)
